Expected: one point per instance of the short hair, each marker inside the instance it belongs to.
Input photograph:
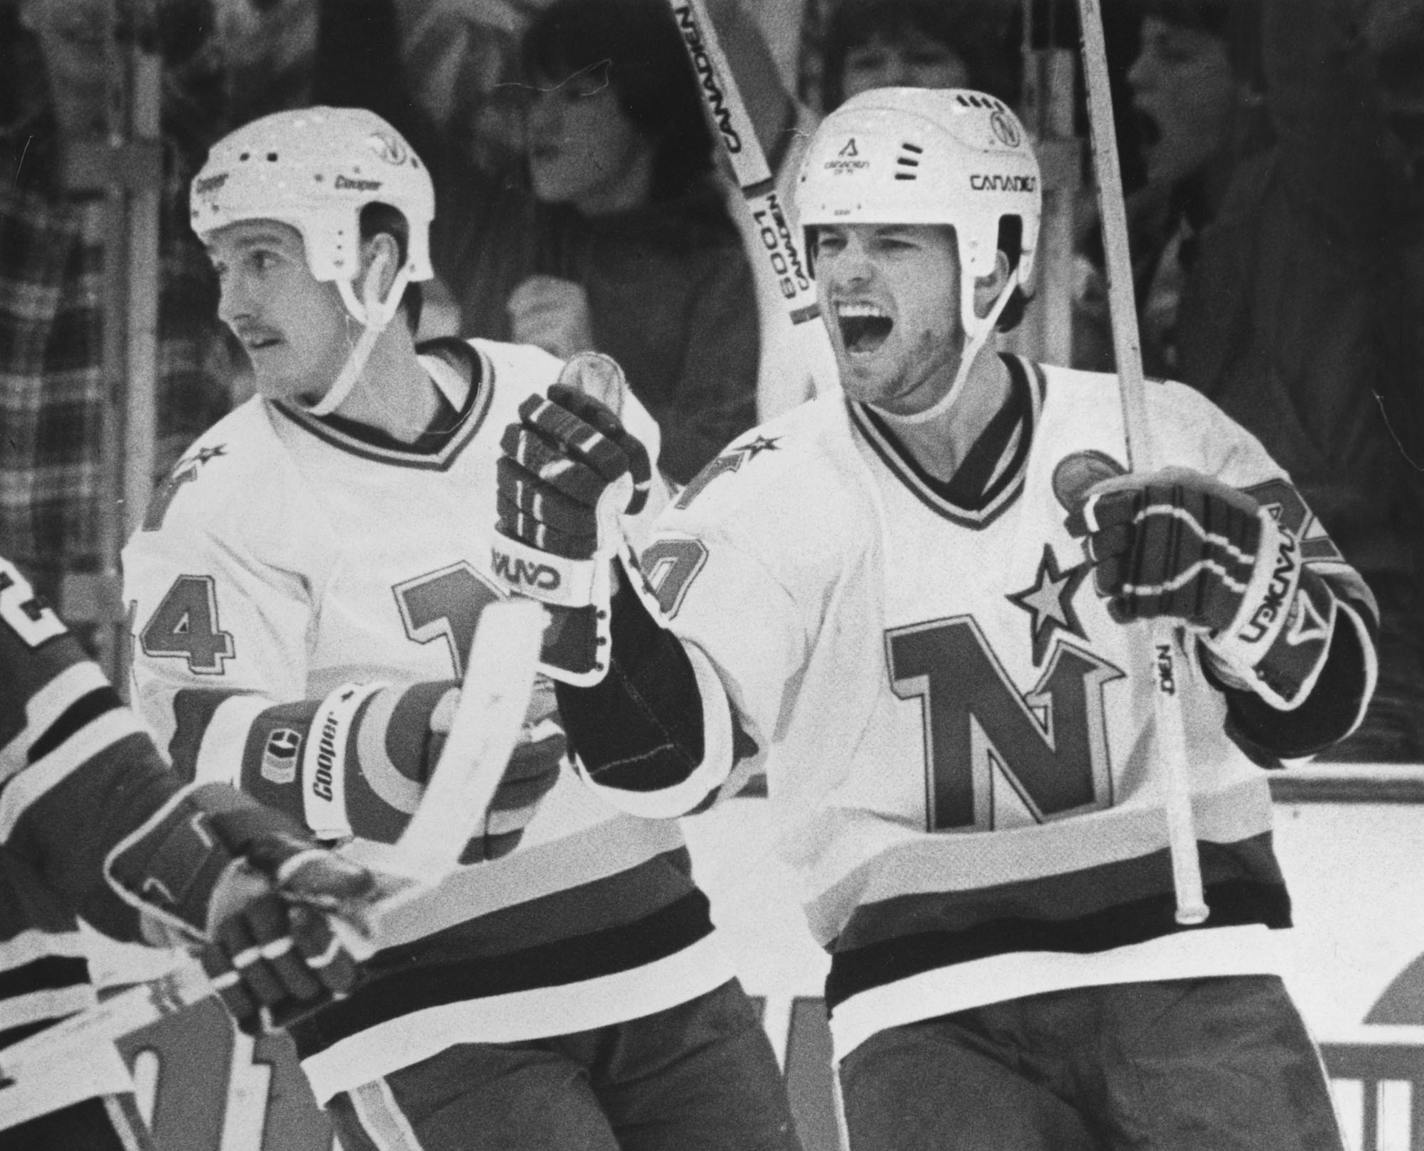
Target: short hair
(1236, 23)
(379, 219)
(648, 69)
(975, 30)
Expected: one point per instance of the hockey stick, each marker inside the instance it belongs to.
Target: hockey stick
(1171, 730)
(732, 124)
(494, 698)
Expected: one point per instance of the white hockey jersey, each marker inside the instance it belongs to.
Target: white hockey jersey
(78, 772)
(959, 740)
(285, 557)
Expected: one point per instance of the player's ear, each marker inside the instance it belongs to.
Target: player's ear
(989, 287)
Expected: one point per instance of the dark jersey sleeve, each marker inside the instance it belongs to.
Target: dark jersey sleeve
(78, 770)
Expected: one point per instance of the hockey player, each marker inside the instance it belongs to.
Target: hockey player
(84, 794)
(306, 587)
(909, 606)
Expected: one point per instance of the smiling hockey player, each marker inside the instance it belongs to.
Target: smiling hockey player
(907, 605)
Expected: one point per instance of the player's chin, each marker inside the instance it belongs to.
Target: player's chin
(896, 395)
(877, 367)
(284, 386)
(871, 388)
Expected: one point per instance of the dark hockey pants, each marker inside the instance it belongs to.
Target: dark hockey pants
(1221, 1064)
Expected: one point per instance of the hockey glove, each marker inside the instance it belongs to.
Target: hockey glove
(1180, 544)
(277, 958)
(571, 482)
(214, 868)
(356, 762)
(532, 772)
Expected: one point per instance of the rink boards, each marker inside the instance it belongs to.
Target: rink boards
(1351, 842)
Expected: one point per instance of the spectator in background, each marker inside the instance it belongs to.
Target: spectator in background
(268, 48)
(56, 86)
(616, 236)
(1196, 110)
(1396, 32)
(1267, 247)
(461, 62)
(919, 44)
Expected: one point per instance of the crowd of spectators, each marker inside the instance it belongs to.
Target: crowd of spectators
(1275, 202)
(58, 82)
(1268, 236)
(919, 44)
(609, 233)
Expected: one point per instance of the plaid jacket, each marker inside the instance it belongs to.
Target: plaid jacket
(51, 353)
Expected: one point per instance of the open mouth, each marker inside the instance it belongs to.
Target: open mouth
(864, 327)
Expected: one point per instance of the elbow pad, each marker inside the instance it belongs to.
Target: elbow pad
(656, 736)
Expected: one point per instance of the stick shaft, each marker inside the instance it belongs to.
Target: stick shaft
(494, 698)
(1122, 305)
(732, 124)
(1172, 764)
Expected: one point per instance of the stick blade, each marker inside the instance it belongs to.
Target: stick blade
(50, 1050)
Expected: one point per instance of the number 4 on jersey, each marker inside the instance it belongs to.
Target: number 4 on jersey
(185, 626)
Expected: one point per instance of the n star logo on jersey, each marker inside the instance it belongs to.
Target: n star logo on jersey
(185, 471)
(203, 455)
(731, 460)
(1050, 602)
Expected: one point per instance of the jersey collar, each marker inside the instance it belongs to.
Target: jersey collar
(991, 476)
(460, 372)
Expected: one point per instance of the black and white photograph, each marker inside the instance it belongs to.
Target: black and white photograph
(711, 575)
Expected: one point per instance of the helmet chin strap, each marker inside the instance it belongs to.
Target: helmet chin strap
(373, 314)
(977, 335)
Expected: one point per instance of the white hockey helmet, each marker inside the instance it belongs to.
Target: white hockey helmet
(927, 156)
(315, 169)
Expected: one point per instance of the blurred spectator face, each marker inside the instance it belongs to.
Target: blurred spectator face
(909, 59)
(84, 42)
(919, 44)
(74, 36)
(583, 149)
(1186, 95)
(267, 48)
(294, 328)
